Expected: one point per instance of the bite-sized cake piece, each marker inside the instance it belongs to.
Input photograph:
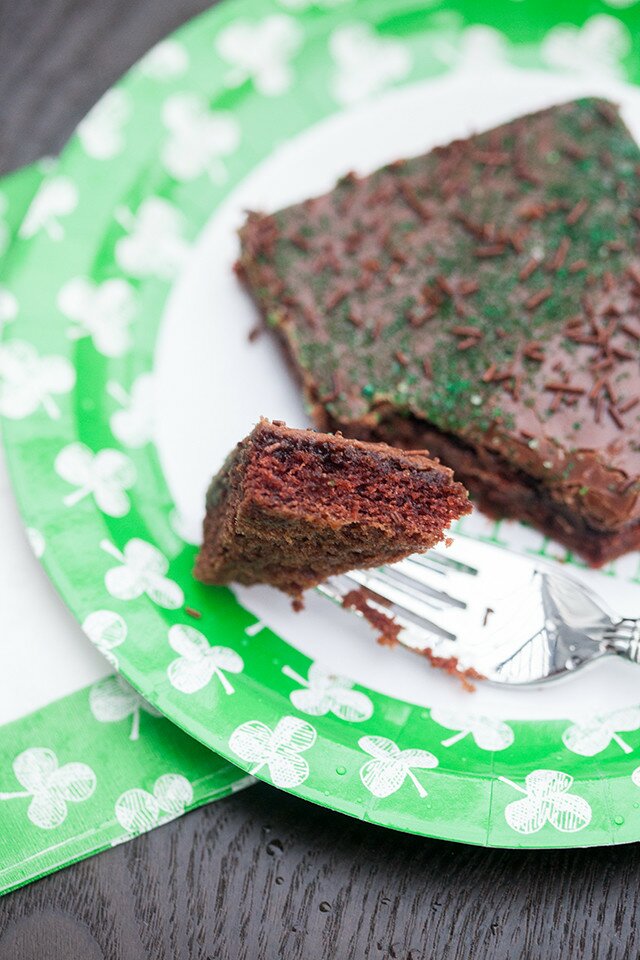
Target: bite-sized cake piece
(482, 301)
(292, 507)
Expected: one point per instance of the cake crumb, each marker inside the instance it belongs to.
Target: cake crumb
(386, 626)
(451, 666)
(487, 614)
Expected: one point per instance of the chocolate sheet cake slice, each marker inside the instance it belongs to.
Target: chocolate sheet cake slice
(291, 507)
(481, 301)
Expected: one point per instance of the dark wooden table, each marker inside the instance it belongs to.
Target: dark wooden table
(263, 876)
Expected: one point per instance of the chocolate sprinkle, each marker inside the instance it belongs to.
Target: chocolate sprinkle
(578, 265)
(564, 388)
(490, 250)
(534, 301)
(529, 268)
(629, 405)
(615, 416)
(574, 215)
(560, 255)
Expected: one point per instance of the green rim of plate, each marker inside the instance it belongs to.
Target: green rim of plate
(134, 770)
(129, 770)
(106, 236)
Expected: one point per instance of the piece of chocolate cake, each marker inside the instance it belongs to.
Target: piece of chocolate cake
(481, 301)
(292, 507)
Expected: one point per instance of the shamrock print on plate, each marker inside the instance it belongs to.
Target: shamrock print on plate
(365, 62)
(198, 662)
(101, 311)
(4, 229)
(55, 200)
(325, 692)
(596, 48)
(106, 475)
(592, 735)
(37, 541)
(260, 52)
(112, 700)
(132, 425)
(141, 569)
(101, 133)
(8, 306)
(488, 733)
(198, 138)
(155, 245)
(279, 749)
(547, 800)
(106, 630)
(390, 766)
(474, 49)
(138, 810)
(50, 786)
(29, 382)
(166, 61)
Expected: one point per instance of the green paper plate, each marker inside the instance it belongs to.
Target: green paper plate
(95, 766)
(263, 102)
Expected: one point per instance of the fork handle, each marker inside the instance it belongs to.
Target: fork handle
(625, 639)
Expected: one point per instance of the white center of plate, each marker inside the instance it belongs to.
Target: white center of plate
(213, 385)
(43, 653)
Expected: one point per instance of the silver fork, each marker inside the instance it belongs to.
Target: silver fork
(513, 619)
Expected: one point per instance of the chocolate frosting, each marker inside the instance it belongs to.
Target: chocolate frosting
(490, 287)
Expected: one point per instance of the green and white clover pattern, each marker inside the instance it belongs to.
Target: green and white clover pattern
(52, 204)
(276, 751)
(140, 571)
(390, 766)
(112, 700)
(102, 132)
(132, 423)
(29, 382)
(140, 810)
(198, 663)
(67, 771)
(547, 800)
(488, 733)
(324, 692)
(106, 630)
(49, 786)
(103, 312)
(64, 769)
(134, 188)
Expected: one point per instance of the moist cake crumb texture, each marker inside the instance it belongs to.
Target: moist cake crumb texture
(292, 507)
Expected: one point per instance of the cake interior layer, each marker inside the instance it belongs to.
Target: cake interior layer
(294, 554)
(338, 483)
(291, 508)
(503, 492)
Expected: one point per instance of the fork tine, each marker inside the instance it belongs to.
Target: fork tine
(417, 588)
(395, 602)
(514, 619)
(439, 563)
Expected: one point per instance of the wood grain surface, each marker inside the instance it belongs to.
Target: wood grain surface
(263, 876)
